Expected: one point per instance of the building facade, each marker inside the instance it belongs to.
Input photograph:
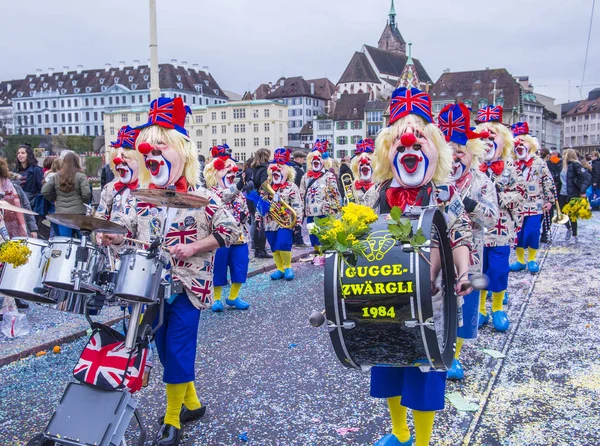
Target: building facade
(349, 123)
(73, 102)
(245, 126)
(582, 124)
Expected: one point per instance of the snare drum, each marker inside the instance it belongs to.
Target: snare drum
(380, 309)
(23, 281)
(139, 276)
(62, 263)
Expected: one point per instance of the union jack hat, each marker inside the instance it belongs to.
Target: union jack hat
(489, 114)
(455, 123)
(281, 156)
(168, 113)
(364, 146)
(223, 152)
(520, 128)
(126, 138)
(405, 102)
(321, 145)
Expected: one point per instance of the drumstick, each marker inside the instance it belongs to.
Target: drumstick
(111, 260)
(134, 240)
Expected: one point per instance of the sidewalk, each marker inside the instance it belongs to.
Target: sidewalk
(49, 327)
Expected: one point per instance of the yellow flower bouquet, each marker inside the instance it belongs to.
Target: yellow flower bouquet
(578, 208)
(14, 252)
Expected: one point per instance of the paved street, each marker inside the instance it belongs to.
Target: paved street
(266, 372)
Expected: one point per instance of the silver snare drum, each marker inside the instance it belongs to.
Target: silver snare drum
(62, 263)
(139, 276)
(21, 282)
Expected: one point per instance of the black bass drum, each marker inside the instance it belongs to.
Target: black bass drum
(385, 308)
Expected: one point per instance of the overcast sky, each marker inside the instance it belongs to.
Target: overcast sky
(248, 42)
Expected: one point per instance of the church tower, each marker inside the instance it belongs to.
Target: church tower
(391, 39)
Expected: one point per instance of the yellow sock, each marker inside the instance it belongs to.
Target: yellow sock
(278, 261)
(286, 258)
(532, 254)
(191, 400)
(423, 426)
(459, 344)
(482, 302)
(398, 416)
(235, 290)
(217, 293)
(520, 255)
(175, 395)
(497, 299)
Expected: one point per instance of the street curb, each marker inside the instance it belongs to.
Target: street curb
(73, 336)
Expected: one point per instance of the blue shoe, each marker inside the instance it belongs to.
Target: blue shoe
(517, 266)
(289, 274)
(505, 300)
(483, 320)
(217, 307)
(533, 267)
(238, 303)
(500, 321)
(392, 440)
(456, 371)
(278, 274)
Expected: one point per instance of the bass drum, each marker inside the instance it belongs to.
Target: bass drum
(386, 308)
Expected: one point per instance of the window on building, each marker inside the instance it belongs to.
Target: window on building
(239, 113)
(62, 104)
(75, 102)
(214, 130)
(76, 119)
(54, 117)
(373, 130)
(255, 127)
(267, 127)
(112, 131)
(267, 113)
(111, 119)
(18, 106)
(199, 145)
(39, 104)
(124, 117)
(213, 116)
(69, 117)
(224, 141)
(280, 128)
(256, 113)
(77, 130)
(256, 142)
(198, 132)
(223, 128)
(374, 116)
(224, 115)
(70, 130)
(87, 130)
(198, 119)
(243, 142)
(341, 140)
(356, 125)
(308, 112)
(39, 119)
(236, 142)
(356, 138)
(46, 119)
(214, 142)
(68, 104)
(87, 116)
(341, 125)
(54, 104)
(236, 128)
(267, 142)
(242, 128)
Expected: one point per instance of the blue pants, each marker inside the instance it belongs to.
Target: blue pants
(314, 241)
(236, 259)
(63, 231)
(470, 316)
(496, 267)
(422, 391)
(176, 340)
(529, 235)
(280, 240)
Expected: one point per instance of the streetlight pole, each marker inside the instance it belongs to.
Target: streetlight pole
(154, 83)
(495, 91)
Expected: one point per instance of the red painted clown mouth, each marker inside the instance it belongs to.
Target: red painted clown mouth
(410, 162)
(230, 178)
(122, 170)
(316, 164)
(154, 166)
(520, 149)
(365, 169)
(276, 176)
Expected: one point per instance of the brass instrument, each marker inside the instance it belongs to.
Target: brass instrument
(349, 189)
(280, 211)
(560, 218)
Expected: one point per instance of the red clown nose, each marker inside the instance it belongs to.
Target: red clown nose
(364, 161)
(145, 148)
(117, 160)
(235, 169)
(408, 139)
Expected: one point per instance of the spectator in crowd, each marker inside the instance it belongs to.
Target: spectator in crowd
(47, 164)
(555, 166)
(545, 156)
(344, 168)
(70, 190)
(299, 164)
(259, 176)
(595, 161)
(107, 174)
(202, 161)
(54, 168)
(31, 174)
(574, 180)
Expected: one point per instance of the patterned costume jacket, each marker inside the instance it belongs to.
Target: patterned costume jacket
(539, 185)
(448, 201)
(510, 189)
(291, 195)
(188, 226)
(322, 197)
(118, 207)
(237, 206)
(361, 191)
(484, 216)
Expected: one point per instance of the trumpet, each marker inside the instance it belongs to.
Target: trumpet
(560, 218)
(349, 189)
(280, 211)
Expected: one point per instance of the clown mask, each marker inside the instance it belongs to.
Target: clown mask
(493, 145)
(522, 149)
(277, 174)
(164, 163)
(461, 161)
(316, 164)
(365, 170)
(413, 158)
(126, 167)
(226, 172)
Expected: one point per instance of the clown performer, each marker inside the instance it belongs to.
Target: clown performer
(192, 237)
(116, 202)
(319, 190)
(540, 196)
(362, 168)
(412, 164)
(280, 176)
(481, 204)
(220, 176)
(510, 191)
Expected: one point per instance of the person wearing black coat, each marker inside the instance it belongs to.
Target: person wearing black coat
(595, 171)
(575, 179)
(259, 176)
